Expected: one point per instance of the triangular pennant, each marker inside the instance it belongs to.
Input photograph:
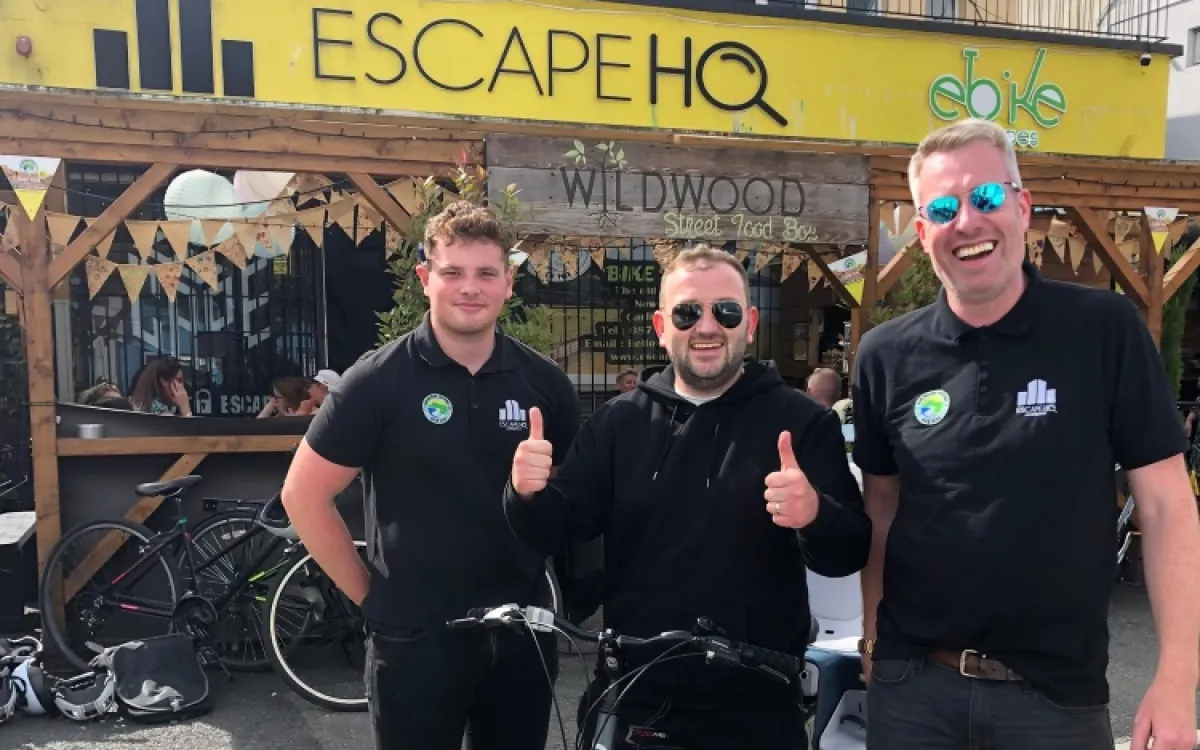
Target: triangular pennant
(8, 240)
(282, 234)
(105, 243)
(741, 254)
(248, 235)
(1077, 246)
(887, 217)
(178, 234)
(1058, 228)
(1122, 226)
(539, 260)
(599, 255)
(814, 274)
(1130, 249)
(168, 277)
(279, 206)
(205, 266)
(98, 271)
(61, 227)
(212, 229)
(30, 178)
(1176, 231)
(144, 234)
(1035, 253)
(568, 258)
(134, 277)
(1097, 261)
(342, 214)
(791, 261)
(313, 221)
(1058, 244)
(1160, 218)
(233, 250)
(906, 215)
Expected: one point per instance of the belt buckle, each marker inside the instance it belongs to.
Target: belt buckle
(962, 662)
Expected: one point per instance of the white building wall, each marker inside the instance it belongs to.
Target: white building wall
(1183, 99)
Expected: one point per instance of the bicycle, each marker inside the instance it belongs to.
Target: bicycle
(705, 639)
(179, 554)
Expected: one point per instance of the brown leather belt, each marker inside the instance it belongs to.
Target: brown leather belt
(973, 664)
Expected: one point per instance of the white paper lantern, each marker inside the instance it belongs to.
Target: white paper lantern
(200, 194)
(258, 189)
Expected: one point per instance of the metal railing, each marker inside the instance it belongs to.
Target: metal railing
(1130, 20)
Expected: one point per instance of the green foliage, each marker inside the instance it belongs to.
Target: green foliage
(1173, 319)
(530, 325)
(918, 287)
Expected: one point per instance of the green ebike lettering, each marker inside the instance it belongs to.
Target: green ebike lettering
(982, 97)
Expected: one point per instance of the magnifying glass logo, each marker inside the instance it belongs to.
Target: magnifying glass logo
(753, 62)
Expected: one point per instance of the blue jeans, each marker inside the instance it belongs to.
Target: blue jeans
(921, 704)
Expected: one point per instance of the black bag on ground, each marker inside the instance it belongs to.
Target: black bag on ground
(160, 679)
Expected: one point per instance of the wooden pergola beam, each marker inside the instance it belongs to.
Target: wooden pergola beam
(10, 271)
(1151, 262)
(839, 289)
(895, 269)
(108, 221)
(380, 199)
(1181, 270)
(1096, 234)
(146, 446)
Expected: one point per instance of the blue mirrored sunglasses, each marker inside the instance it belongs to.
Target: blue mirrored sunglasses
(985, 199)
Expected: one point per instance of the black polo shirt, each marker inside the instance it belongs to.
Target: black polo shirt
(436, 445)
(1004, 439)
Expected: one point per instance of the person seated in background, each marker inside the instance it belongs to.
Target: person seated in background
(318, 389)
(160, 389)
(289, 398)
(104, 395)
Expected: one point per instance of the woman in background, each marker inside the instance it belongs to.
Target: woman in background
(289, 398)
(160, 389)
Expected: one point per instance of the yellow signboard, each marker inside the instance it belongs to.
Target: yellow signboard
(577, 61)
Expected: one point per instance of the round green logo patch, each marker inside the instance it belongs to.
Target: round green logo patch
(437, 408)
(931, 407)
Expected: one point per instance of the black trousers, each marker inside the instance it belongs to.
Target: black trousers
(425, 686)
(772, 724)
(921, 704)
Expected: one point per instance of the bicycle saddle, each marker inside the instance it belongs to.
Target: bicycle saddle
(152, 489)
(274, 518)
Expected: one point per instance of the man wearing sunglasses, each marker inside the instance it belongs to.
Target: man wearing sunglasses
(987, 426)
(714, 484)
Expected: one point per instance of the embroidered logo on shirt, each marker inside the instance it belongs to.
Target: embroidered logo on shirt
(513, 418)
(437, 408)
(1037, 400)
(931, 407)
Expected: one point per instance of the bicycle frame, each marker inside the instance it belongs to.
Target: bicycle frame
(179, 532)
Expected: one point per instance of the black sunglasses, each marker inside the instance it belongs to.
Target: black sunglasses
(685, 315)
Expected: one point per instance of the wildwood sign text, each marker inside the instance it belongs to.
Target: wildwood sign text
(714, 195)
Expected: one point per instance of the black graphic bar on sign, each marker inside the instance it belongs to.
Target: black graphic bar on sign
(111, 50)
(154, 44)
(237, 65)
(196, 46)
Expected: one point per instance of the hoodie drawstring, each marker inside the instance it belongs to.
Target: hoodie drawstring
(666, 446)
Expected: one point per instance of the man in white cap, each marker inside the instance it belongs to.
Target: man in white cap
(321, 383)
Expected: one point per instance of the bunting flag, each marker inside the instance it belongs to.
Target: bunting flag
(233, 250)
(248, 236)
(134, 278)
(1077, 246)
(98, 271)
(178, 234)
(205, 266)
(283, 236)
(1160, 219)
(815, 276)
(105, 243)
(212, 229)
(313, 221)
(741, 254)
(887, 218)
(907, 213)
(791, 261)
(30, 178)
(8, 240)
(144, 234)
(1058, 244)
(1122, 226)
(1097, 261)
(599, 256)
(169, 275)
(539, 261)
(61, 228)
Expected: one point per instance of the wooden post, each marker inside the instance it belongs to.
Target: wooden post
(860, 321)
(37, 314)
(1151, 263)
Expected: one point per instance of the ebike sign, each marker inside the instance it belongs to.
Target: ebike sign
(977, 95)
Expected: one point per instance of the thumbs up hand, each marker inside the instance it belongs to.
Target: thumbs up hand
(791, 500)
(533, 459)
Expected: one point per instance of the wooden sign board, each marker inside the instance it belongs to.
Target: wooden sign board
(614, 189)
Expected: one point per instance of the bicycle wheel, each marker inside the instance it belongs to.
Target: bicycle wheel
(240, 633)
(309, 621)
(149, 591)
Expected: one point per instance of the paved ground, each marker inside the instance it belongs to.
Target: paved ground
(258, 713)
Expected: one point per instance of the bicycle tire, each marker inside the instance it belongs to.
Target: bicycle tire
(233, 663)
(59, 641)
(279, 661)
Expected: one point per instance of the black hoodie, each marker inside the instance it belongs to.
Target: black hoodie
(677, 492)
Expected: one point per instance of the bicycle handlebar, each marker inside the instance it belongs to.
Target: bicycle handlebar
(706, 637)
